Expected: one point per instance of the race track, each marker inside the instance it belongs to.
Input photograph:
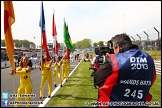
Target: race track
(7, 83)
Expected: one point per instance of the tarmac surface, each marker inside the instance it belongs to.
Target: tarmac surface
(8, 82)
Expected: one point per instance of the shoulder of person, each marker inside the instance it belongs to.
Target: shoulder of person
(18, 68)
(29, 67)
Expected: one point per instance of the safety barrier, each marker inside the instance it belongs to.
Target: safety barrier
(158, 66)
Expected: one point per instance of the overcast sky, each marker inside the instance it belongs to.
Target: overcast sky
(95, 20)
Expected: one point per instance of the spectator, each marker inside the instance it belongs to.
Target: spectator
(30, 63)
(97, 61)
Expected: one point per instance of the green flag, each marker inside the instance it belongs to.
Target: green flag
(67, 39)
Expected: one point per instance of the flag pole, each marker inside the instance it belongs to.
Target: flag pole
(41, 35)
(13, 67)
(14, 85)
(13, 80)
(56, 34)
(53, 36)
(41, 32)
(63, 35)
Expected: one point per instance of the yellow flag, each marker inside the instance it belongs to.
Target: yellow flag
(9, 19)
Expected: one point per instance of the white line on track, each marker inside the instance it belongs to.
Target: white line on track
(57, 88)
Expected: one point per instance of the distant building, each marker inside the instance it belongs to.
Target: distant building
(50, 45)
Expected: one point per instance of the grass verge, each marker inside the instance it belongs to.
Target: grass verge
(78, 92)
(156, 55)
(156, 91)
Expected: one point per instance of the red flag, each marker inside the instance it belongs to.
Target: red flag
(68, 51)
(54, 33)
(43, 31)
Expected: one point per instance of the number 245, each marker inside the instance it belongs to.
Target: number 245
(138, 93)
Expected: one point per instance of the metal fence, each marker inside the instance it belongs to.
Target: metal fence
(148, 39)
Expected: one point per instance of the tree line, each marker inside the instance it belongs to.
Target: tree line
(19, 43)
(85, 43)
